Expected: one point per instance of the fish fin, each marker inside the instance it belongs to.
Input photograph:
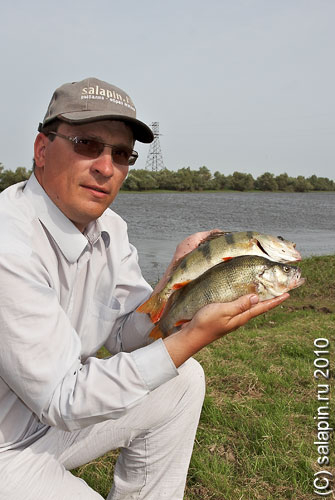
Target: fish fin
(245, 288)
(154, 306)
(213, 236)
(156, 333)
(226, 258)
(181, 322)
(252, 288)
(177, 286)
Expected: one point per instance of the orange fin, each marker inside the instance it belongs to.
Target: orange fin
(182, 321)
(156, 333)
(177, 286)
(226, 258)
(154, 306)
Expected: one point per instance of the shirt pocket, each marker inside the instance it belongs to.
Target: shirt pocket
(101, 321)
(105, 312)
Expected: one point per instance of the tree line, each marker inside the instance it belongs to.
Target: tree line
(202, 179)
(9, 177)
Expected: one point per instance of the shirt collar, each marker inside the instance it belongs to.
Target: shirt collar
(69, 239)
(96, 229)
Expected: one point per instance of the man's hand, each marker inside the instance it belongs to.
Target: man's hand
(213, 322)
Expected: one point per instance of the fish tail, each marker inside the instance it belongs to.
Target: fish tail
(156, 333)
(154, 306)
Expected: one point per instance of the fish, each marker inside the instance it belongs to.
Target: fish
(225, 282)
(219, 246)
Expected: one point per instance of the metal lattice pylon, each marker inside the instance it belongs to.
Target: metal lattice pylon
(155, 157)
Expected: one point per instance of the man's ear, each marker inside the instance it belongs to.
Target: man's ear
(39, 149)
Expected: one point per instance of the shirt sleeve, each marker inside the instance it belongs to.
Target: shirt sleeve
(132, 329)
(130, 333)
(40, 353)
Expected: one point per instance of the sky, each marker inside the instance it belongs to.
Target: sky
(236, 85)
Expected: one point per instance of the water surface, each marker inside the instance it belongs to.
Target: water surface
(157, 222)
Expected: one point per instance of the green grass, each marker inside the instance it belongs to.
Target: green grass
(256, 433)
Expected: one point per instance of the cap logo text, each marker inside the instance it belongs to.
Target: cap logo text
(97, 92)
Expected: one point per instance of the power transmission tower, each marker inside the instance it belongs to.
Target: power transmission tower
(155, 158)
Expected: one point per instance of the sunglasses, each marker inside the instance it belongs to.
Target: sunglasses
(93, 149)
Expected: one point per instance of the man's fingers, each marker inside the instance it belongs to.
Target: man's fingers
(266, 305)
(262, 307)
(223, 318)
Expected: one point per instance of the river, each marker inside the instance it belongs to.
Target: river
(157, 222)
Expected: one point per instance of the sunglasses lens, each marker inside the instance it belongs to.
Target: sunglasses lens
(89, 148)
(120, 156)
(93, 149)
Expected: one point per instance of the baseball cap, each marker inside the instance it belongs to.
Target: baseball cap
(91, 100)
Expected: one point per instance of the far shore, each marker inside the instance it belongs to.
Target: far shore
(210, 191)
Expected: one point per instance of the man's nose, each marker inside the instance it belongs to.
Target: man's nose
(104, 163)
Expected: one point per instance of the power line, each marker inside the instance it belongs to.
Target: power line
(155, 158)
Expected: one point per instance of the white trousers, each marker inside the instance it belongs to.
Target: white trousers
(156, 440)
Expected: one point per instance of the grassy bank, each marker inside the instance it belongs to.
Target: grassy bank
(256, 433)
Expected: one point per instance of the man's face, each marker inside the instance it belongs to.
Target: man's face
(82, 187)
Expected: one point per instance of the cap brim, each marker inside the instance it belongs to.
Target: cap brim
(142, 132)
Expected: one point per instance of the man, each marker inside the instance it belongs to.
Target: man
(70, 283)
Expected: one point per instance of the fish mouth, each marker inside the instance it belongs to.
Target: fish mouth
(295, 257)
(297, 280)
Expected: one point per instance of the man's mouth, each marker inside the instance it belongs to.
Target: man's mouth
(96, 189)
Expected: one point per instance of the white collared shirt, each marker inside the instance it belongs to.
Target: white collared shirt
(63, 295)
